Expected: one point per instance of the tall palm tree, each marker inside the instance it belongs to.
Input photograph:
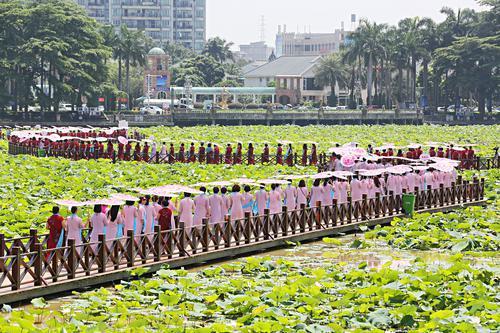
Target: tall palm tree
(133, 52)
(331, 71)
(368, 44)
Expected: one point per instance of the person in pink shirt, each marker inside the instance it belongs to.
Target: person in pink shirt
(316, 193)
(140, 221)
(247, 200)
(73, 226)
(290, 196)
(410, 182)
(392, 181)
(202, 207)
(226, 202)
(149, 212)
(326, 193)
(156, 204)
(236, 204)
(356, 189)
(429, 179)
(186, 209)
(302, 193)
(216, 204)
(275, 202)
(340, 191)
(97, 221)
(365, 186)
(129, 213)
(114, 220)
(370, 187)
(447, 178)
(261, 198)
(437, 179)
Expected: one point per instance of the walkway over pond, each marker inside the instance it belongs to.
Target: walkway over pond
(28, 269)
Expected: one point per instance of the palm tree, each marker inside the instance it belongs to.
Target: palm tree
(368, 45)
(331, 71)
(219, 49)
(133, 51)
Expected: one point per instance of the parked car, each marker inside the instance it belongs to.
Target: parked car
(151, 110)
(65, 107)
(341, 107)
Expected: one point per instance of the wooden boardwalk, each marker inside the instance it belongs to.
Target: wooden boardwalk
(28, 269)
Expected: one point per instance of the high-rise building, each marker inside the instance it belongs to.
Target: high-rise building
(257, 51)
(181, 21)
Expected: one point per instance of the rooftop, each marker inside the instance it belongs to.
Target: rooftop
(285, 66)
(156, 51)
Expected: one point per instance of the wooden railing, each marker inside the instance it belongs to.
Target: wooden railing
(26, 263)
(321, 160)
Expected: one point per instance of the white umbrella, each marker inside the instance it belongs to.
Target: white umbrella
(272, 181)
(242, 180)
(69, 203)
(125, 197)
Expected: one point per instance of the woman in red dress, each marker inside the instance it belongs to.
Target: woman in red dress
(145, 152)
(182, 150)
(228, 157)
(121, 147)
(171, 154)
(314, 154)
(265, 154)
(201, 153)
(279, 154)
(289, 155)
(192, 153)
(128, 149)
(304, 155)
(251, 156)
(137, 152)
(55, 227)
(164, 218)
(239, 154)
(216, 154)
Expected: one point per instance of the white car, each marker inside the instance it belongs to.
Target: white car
(341, 107)
(151, 110)
(65, 107)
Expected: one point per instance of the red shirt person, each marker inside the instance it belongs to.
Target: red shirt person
(55, 227)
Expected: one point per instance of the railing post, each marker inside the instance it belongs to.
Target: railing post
(378, 204)
(130, 248)
(441, 195)
(16, 268)
(430, 196)
(481, 190)
(349, 209)
(228, 232)
(478, 164)
(2, 251)
(364, 208)
(182, 239)
(265, 228)
(205, 234)
(157, 242)
(71, 258)
(335, 214)
(319, 215)
(248, 227)
(302, 219)
(33, 239)
(476, 191)
(284, 220)
(101, 263)
(157, 157)
(416, 191)
(38, 264)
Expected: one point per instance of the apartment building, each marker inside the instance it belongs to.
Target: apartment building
(290, 44)
(181, 21)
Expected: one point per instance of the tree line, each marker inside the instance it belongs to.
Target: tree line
(52, 52)
(421, 61)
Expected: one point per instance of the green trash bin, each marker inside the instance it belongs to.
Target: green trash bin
(409, 204)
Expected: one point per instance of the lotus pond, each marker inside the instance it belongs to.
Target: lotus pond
(30, 185)
(433, 273)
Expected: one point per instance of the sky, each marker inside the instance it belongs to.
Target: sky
(239, 21)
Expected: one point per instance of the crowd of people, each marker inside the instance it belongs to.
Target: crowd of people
(222, 201)
(115, 144)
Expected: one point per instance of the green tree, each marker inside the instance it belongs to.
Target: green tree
(177, 52)
(330, 72)
(218, 49)
(203, 71)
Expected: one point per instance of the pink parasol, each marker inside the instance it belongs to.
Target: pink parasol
(122, 140)
(348, 161)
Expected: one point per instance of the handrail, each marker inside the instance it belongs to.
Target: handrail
(27, 263)
(320, 159)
